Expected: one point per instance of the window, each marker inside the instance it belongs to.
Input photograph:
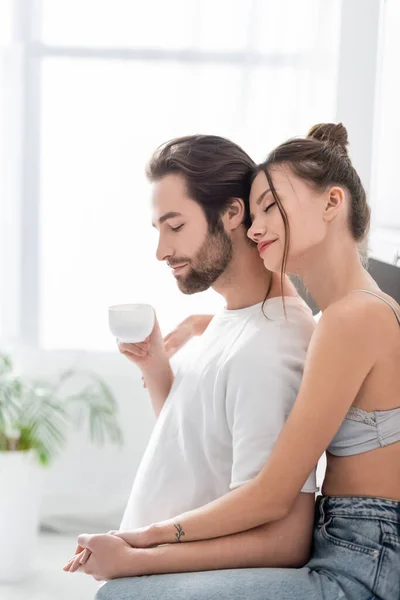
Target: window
(385, 236)
(111, 80)
(5, 148)
(387, 210)
(115, 84)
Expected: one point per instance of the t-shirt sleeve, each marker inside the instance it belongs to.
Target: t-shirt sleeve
(261, 388)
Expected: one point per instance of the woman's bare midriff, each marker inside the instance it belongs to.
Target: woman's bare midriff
(377, 472)
(374, 473)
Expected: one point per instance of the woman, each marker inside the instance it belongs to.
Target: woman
(309, 214)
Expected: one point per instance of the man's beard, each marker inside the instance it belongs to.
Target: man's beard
(209, 263)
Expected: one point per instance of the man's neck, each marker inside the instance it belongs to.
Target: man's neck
(246, 280)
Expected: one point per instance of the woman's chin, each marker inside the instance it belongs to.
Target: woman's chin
(275, 266)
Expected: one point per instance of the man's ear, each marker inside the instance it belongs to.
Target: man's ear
(334, 203)
(234, 215)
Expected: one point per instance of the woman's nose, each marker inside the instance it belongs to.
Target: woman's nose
(256, 232)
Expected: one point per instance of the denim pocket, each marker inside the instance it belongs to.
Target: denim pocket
(387, 585)
(353, 535)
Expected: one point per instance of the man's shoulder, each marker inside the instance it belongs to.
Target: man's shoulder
(294, 322)
(272, 338)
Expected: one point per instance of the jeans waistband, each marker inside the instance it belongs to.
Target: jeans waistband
(358, 507)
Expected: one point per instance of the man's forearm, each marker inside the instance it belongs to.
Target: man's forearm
(279, 544)
(158, 381)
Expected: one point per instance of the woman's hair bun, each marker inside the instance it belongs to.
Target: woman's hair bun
(330, 133)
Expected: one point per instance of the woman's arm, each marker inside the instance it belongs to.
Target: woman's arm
(286, 543)
(349, 339)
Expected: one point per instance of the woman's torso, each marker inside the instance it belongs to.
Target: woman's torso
(375, 472)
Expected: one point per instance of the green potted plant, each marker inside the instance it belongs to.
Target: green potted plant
(35, 419)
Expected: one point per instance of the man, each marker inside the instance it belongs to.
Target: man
(220, 414)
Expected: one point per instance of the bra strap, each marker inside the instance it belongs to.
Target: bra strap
(397, 315)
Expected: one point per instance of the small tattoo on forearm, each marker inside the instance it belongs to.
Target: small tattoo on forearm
(180, 533)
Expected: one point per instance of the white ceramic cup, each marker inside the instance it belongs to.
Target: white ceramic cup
(131, 323)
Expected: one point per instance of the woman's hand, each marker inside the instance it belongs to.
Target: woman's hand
(165, 532)
(137, 538)
(190, 327)
(104, 557)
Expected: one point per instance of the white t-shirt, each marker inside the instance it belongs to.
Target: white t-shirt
(229, 401)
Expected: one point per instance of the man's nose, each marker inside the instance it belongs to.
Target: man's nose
(163, 251)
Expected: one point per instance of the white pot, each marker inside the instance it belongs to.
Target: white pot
(21, 485)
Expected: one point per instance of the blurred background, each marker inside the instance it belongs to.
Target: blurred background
(88, 89)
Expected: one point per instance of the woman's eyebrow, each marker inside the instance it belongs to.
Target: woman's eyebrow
(262, 196)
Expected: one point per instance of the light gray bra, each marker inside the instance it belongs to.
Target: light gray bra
(362, 431)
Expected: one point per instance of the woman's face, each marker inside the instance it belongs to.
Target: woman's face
(305, 209)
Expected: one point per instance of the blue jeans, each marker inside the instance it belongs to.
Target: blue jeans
(356, 556)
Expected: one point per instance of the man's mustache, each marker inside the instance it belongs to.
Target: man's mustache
(178, 262)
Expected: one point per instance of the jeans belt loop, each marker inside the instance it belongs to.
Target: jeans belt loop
(321, 511)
